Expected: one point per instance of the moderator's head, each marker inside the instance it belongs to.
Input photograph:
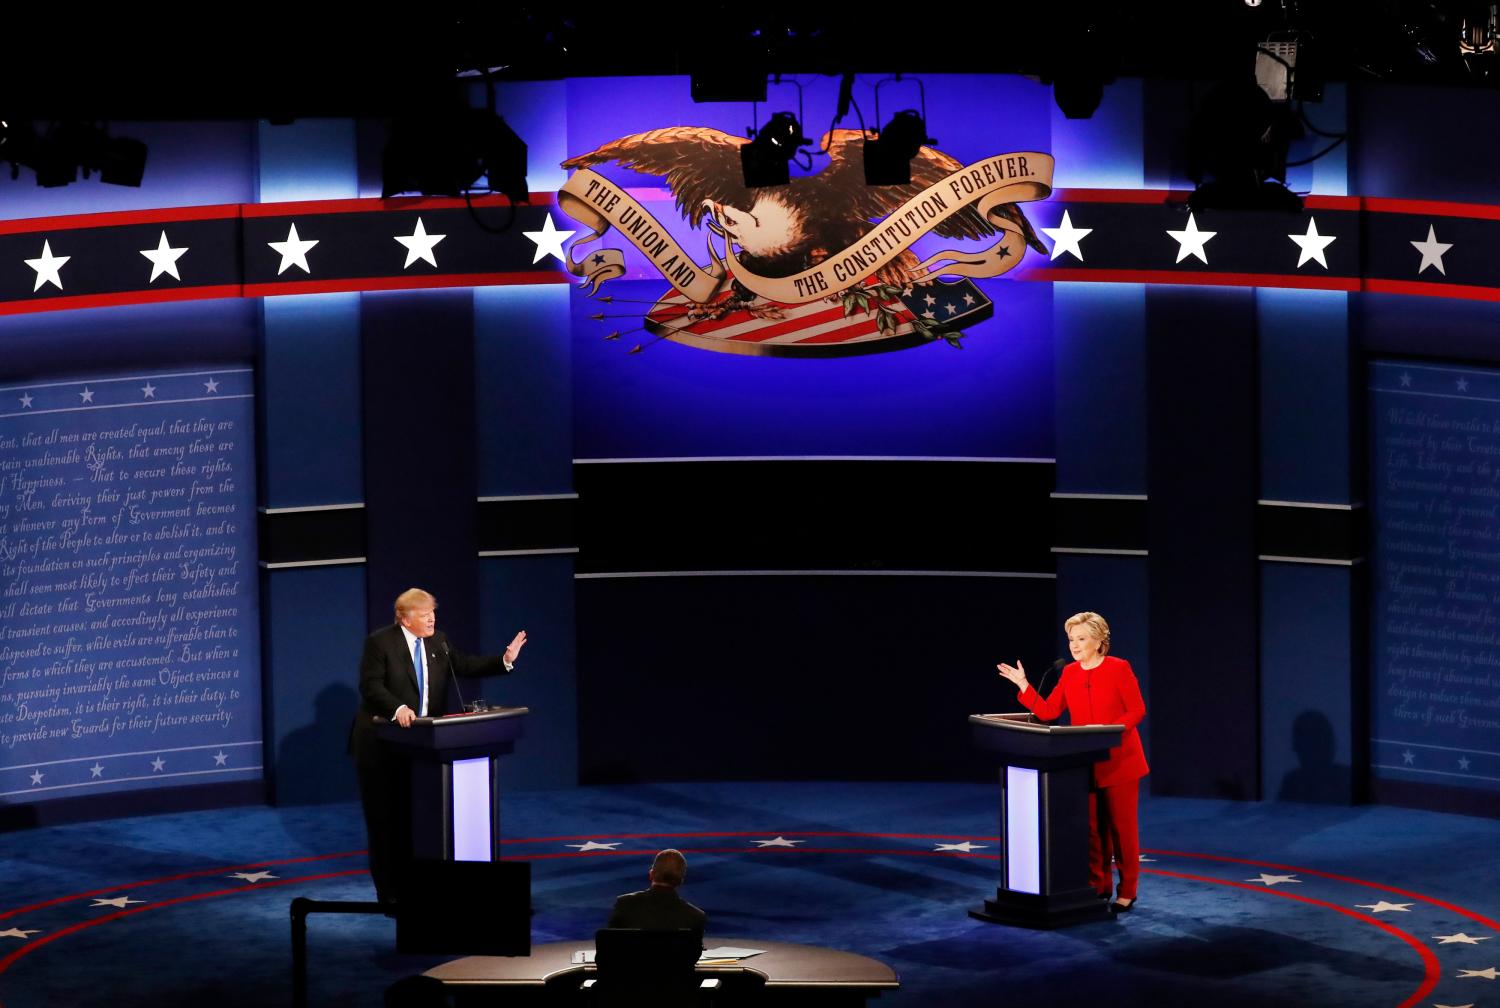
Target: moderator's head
(669, 868)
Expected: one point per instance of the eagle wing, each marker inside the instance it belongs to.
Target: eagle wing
(842, 184)
(699, 164)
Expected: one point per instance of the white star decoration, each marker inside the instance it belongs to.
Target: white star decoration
(1408, 758)
(548, 240)
(211, 386)
(1312, 244)
(36, 776)
(419, 245)
(97, 770)
(118, 901)
(1463, 762)
(966, 846)
(293, 251)
(1460, 939)
(148, 391)
(1272, 880)
(1383, 907)
(1432, 252)
(1406, 381)
(592, 845)
(164, 259)
(253, 877)
(87, 394)
(16, 933)
(26, 402)
(157, 764)
(780, 841)
(48, 268)
(1484, 974)
(1191, 241)
(220, 758)
(1067, 238)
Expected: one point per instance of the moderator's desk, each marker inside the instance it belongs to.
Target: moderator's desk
(784, 974)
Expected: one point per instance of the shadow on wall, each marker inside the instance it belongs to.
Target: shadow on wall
(313, 766)
(1317, 777)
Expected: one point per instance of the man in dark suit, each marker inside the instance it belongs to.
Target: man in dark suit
(660, 908)
(403, 675)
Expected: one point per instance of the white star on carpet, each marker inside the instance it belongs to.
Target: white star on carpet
(1406, 381)
(157, 764)
(1463, 384)
(1271, 880)
(966, 846)
(36, 776)
(211, 386)
(1432, 252)
(780, 841)
(48, 268)
(548, 240)
(1066, 238)
(148, 391)
(1408, 757)
(26, 402)
(1191, 241)
(253, 877)
(1460, 939)
(118, 901)
(97, 770)
(293, 251)
(17, 933)
(87, 395)
(1488, 973)
(1383, 907)
(1463, 762)
(164, 259)
(419, 245)
(592, 845)
(220, 758)
(1312, 244)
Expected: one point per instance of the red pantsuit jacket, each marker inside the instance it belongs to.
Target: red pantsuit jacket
(1105, 694)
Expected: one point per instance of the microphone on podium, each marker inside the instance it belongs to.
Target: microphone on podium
(1057, 667)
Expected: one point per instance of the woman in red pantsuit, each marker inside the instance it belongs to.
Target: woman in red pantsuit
(1099, 689)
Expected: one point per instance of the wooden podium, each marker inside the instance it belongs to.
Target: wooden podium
(455, 780)
(1045, 774)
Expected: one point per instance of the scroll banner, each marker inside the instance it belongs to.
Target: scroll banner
(988, 185)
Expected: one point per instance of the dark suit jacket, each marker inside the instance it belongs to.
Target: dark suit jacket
(657, 909)
(388, 679)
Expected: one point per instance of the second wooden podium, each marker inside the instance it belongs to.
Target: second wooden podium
(1045, 774)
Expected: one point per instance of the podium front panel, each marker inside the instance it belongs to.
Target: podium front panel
(1022, 832)
(473, 837)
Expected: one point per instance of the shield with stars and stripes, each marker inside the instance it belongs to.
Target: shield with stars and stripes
(833, 327)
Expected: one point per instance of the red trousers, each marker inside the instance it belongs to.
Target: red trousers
(1114, 831)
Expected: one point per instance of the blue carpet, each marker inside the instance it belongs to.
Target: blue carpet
(1339, 907)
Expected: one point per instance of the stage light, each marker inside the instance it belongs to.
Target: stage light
(445, 154)
(888, 155)
(1237, 145)
(766, 159)
(1286, 67)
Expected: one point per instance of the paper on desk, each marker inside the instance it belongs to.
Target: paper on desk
(730, 952)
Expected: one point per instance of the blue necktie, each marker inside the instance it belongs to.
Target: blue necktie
(416, 658)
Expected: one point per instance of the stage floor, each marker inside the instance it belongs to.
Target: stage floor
(1240, 904)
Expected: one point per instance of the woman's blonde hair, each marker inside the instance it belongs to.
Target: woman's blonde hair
(1096, 624)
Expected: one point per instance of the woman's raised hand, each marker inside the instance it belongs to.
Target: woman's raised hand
(1015, 673)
